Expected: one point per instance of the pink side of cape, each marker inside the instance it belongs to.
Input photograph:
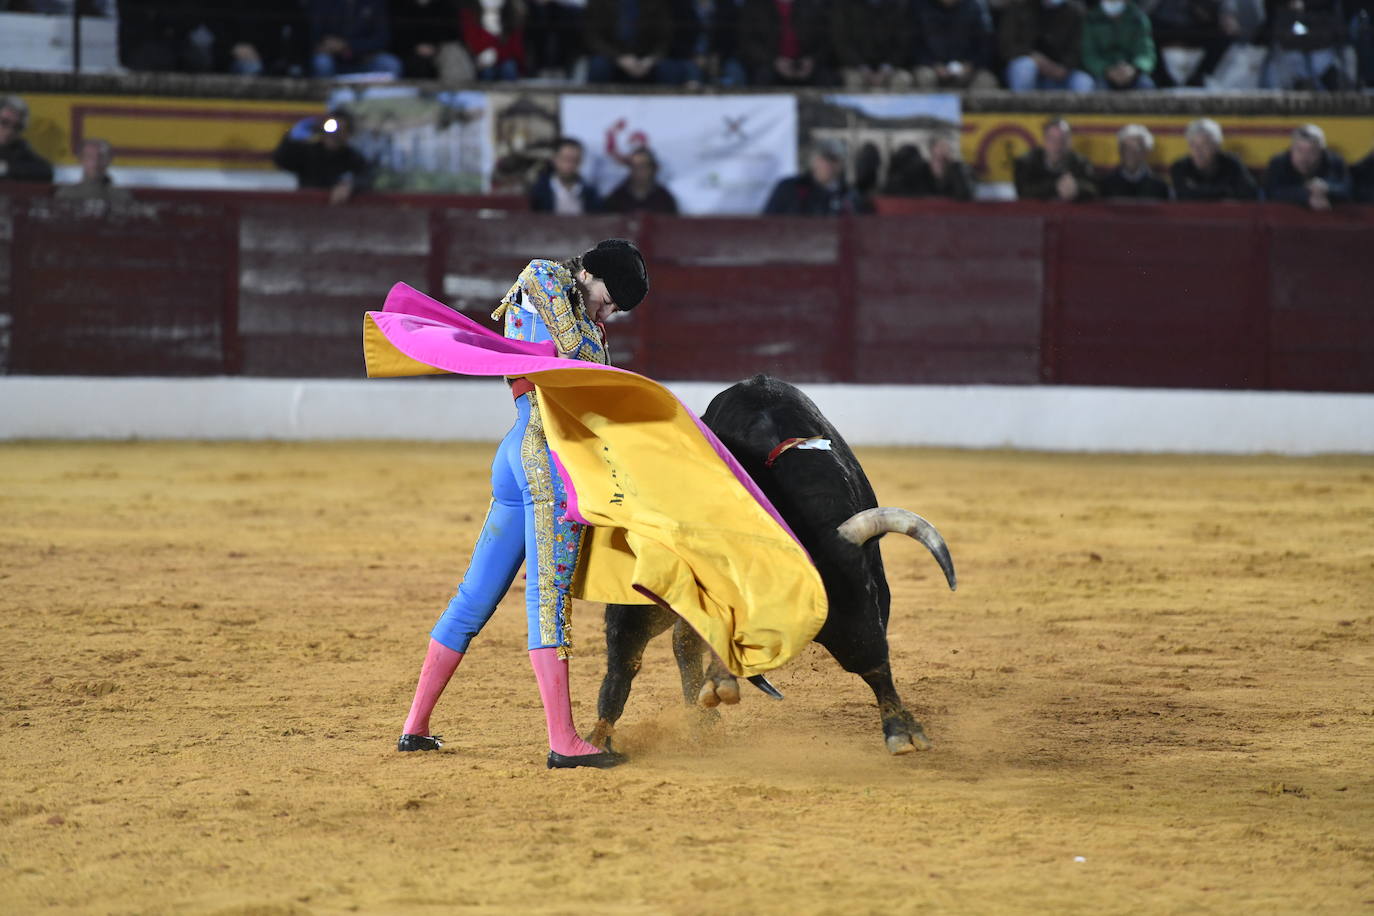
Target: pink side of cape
(434, 334)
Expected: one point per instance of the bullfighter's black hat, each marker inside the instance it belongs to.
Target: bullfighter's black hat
(618, 263)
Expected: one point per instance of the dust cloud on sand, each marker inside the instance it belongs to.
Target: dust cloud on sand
(1153, 692)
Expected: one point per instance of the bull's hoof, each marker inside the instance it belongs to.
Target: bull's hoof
(601, 734)
(905, 744)
(715, 692)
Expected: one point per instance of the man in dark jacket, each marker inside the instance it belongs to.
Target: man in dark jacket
(1054, 171)
(784, 42)
(1207, 173)
(1308, 173)
(641, 190)
(951, 50)
(317, 151)
(18, 161)
(560, 189)
(819, 191)
(1134, 178)
(350, 36)
(626, 40)
(1042, 43)
(872, 42)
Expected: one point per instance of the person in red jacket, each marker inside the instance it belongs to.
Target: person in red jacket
(494, 32)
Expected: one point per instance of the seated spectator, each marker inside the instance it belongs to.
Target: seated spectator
(494, 32)
(1306, 37)
(553, 36)
(1362, 180)
(641, 191)
(1118, 49)
(317, 151)
(1133, 177)
(703, 45)
(18, 161)
(1054, 171)
(1207, 173)
(559, 188)
(872, 42)
(95, 183)
(1193, 24)
(784, 42)
(951, 45)
(626, 40)
(350, 36)
(1308, 173)
(427, 36)
(819, 191)
(1042, 43)
(264, 37)
(909, 174)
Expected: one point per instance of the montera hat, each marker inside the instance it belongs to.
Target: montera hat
(618, 263)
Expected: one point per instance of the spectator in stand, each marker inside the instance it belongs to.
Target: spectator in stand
(95, 183)
(1042, 43)
(560, 188)
(494, 32)
(350, 36)
(1207, 173)
(784, 42)
(952, 45)
(427, 36)
(641, 190)
(1118, 48)
(263, 37)
(872, 43)
(1054, 171)
(317, 151)
(819, 191)
(1308, 173)
(949, 175)
(1362, 180)
(18, 161)
(1306, 39)
(1192, 24)
(1133, 177)
(553, 36)
(703, 45)
(627, 40)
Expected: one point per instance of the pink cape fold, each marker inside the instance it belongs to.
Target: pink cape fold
(434, 334)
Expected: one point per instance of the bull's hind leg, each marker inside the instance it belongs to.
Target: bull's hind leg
(865, 654)
(629, 627)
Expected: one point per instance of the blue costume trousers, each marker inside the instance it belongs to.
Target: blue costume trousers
(524, 525)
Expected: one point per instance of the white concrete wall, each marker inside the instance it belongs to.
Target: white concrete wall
(976, 416)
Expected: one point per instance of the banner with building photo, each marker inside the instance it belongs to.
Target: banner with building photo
(717, 154)
(425, 141)
(881, 123)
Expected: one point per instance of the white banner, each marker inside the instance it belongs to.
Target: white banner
(718, 154)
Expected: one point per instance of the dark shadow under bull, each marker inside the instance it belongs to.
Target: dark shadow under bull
(827, 500)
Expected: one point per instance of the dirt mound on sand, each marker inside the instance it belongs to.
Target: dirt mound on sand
(1150, 693)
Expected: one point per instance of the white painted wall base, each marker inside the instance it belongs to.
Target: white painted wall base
(1051, 418)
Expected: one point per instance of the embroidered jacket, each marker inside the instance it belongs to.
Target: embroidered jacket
(544, 304)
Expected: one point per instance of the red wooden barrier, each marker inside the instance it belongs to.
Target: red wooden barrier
(1238, 296)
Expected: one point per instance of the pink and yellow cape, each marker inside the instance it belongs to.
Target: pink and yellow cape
(675, 519)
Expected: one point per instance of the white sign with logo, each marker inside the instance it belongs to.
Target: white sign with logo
(717, 155)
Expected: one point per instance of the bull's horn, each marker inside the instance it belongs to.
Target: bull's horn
(762, 683)
(870, 523)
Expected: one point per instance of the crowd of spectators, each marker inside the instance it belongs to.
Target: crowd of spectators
(1080, 45)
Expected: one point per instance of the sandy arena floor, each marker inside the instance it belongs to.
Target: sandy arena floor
(1164, 666)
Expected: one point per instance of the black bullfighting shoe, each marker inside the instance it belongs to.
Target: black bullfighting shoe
(602, 761)
(419, 742)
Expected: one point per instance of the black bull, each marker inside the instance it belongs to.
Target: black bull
(827, 500)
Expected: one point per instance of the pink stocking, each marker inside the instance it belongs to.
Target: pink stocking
(440, 663)
(552, 674)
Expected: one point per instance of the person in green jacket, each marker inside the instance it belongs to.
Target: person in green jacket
(1118, 46)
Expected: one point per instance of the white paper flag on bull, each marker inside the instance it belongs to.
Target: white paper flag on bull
(719, 154)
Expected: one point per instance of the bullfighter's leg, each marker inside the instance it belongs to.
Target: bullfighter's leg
(629, 627)
(865, 653)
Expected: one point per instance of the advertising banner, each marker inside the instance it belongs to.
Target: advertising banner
(717, 155)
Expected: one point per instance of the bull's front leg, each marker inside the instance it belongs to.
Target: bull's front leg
(901, 732)
(629, 628)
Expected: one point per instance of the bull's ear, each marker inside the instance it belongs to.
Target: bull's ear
(762, 683)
